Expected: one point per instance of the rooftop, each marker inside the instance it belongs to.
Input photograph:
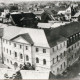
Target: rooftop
(56, 35)
(37, 35)
(77, 14)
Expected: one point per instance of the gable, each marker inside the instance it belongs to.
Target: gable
(21, 40)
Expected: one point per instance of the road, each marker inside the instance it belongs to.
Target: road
(72, 73)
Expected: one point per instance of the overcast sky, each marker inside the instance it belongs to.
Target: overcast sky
(8, 1)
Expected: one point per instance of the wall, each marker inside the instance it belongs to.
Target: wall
(56, 64)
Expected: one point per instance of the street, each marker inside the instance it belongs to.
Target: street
(72, 73)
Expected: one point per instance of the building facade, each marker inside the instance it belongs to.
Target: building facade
(46, 51)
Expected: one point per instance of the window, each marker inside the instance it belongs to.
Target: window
(10, 52)
(7, 50)
(53, 49)
(75, 45)
(7, 60)
(37, 60)
(69, 49)
(15, 54)
(53, 60)
(11, 62)
(61, 67)
(26, 47)
(61, 55)
(27, 58)
(57, 47)
(21, 56)
(57, 69)
(20, 46)
(14, 44)
(72, 56)
(44, 61)
(78, 44)
(57, 58)
(3, 40)
(6, 41)
(37, 49)
(75, 54)
(64, 53)
(64, 64)
(4, 49)
(64, 43)
(9, 42)
(72, 47)
(44, 50)
(60, 45)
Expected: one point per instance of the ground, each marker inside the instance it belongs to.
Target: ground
(2, 65)
(72, 73)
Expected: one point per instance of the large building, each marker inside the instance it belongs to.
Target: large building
(49, 49)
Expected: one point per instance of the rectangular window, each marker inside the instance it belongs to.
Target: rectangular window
(20, 46)
(4, 49)
(10, 52)
(78, 44)
(53, 49)
(37, 49)
(64, 43)
(53, 60)
(44, 50)
(14, 44)
(57, 47)
(60, 45)
(26, 47)
(15, 54)
(75, 45)
(6, 41)
(64, 64)
(61, 67)
(9, 42)
(3, 40)
(7, 50)
(21, 56)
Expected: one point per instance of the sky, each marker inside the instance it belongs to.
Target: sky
(9, 1)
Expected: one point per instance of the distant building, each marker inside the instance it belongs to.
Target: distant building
(76, 17)
(22, 19)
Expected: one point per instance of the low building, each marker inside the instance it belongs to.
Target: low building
(76, 16)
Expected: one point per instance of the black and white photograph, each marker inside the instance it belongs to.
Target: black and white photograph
(40, 39)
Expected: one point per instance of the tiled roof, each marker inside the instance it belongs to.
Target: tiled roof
(37, 35)
(18, 16)
(54, 37)
(61, 33)
(77, 14)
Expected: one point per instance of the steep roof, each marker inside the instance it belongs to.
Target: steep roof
(77, 14)
(56, 35)
(37, 35)
(16, 17)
